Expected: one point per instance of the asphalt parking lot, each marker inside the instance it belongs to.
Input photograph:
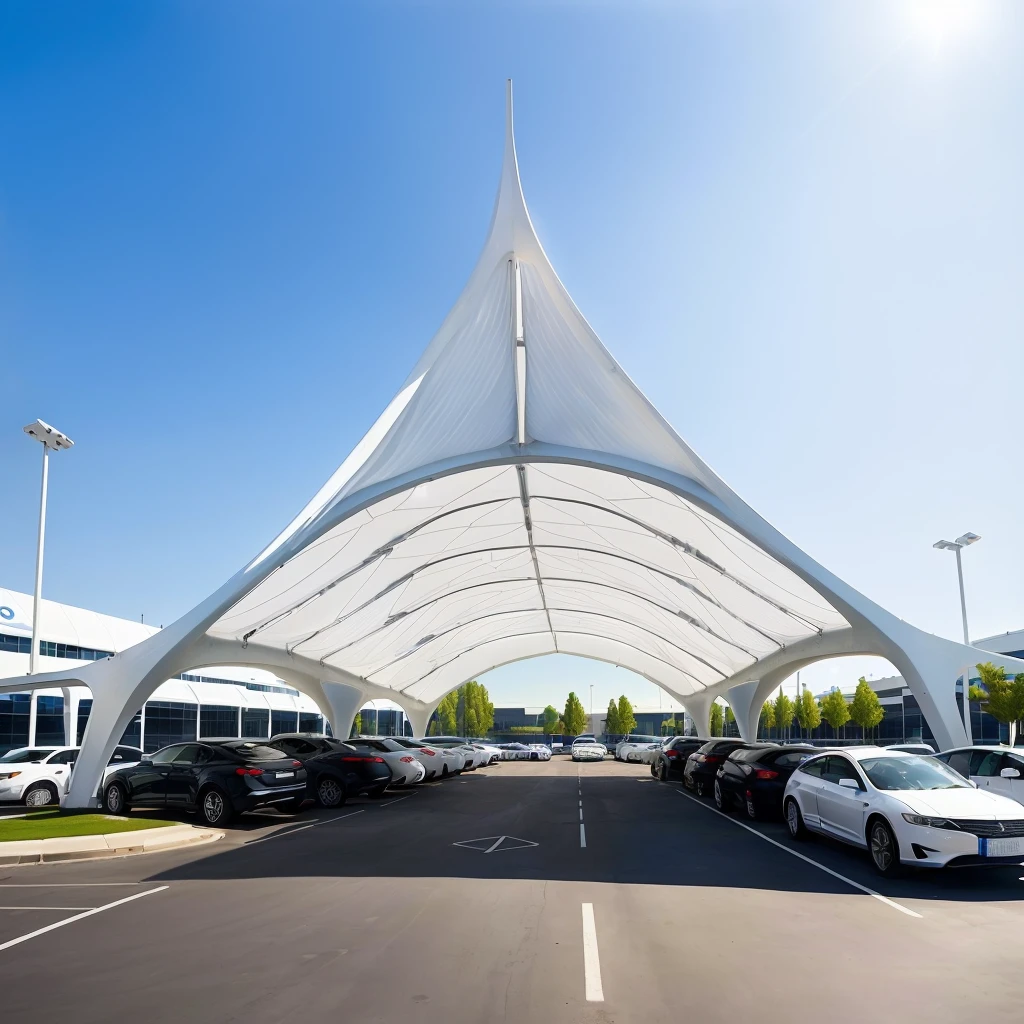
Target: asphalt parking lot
(529, 891)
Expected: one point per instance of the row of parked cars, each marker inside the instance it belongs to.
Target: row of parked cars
(905, 804)
(222, 777)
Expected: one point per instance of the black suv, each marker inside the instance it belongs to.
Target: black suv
(755, 778)
(670, 761)
(217, 778)
(703, 764)
(335, 770)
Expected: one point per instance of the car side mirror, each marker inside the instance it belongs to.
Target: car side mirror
(849, 784)
(1009, 773)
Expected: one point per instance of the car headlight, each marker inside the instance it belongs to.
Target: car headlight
(9, 775)
(923, 819)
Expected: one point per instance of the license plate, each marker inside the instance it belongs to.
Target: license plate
(1002, 847)
(285, 775)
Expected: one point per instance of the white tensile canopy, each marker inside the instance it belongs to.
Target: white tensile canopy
(520, 497)
(447, 578)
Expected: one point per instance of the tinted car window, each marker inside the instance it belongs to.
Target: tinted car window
(991, 765)
(23, 756)
(789, 758)
(959, 761)
(63, 757)
(977, 756)
(814, 767)
(189, 754)
(167, 754)
(254, 751)
(125, 754)
(837, 768)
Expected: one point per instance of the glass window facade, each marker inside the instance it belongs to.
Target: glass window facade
(168, 722)
(133, 733)
(283, 721)
(49, 649)
(310, 723)
(15, 644)
(14, 715)
(219, 720)
(49, 720)
(255, 723)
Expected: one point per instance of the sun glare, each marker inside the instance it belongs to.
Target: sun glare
(942, 25)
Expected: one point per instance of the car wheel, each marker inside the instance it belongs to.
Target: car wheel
(795, 820)
(662, 772)
(720, 802)
(330, 792)
(884, 849)
(751, 808)
(115, 799)
(699, 787)
(41, 794)
(214, 807)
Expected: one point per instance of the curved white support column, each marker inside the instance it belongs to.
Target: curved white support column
(419, 718)
(741, 698)
(698, 707)
(344, 702)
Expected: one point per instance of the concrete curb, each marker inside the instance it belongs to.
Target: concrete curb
(116, 844)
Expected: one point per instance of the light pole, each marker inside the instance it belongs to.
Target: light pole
(963, 541)
(51, 440)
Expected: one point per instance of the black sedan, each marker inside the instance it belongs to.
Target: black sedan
(754, 778)
(703, 764)
(335, 770)
(217, 778)
(670, 761)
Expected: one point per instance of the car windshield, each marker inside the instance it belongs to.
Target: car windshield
(255, 751)
(911, 772)
(23, 756)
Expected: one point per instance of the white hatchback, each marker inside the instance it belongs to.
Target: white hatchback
(38, 776)
(904, 809)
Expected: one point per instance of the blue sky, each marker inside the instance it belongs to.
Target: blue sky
(228, 230)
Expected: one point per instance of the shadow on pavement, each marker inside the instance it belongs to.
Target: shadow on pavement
(637, 832)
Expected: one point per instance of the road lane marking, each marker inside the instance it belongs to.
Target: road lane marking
(583, 837)
(47, 908)
(581, 812)
(79, 917)
(398, 801)
(821, 867)
(591, 957)
(288, 831)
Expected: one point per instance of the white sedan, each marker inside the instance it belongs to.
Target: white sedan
(436, 761)
(37, 776)
(406, 770)
(904, 809)
(522, 752)
(629, 748)
(492, 753)
(589, 750)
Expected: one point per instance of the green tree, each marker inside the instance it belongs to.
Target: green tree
(715, 719)
(729, 716)
(533, 730)
(808, 714)
(627, 720)
(611, 724)
(475, 712)
(560, 729)
(785, 709)
(447, 714)
(767, 716)
(865, 709)
(550, 719)
(357, 724)
(1000, 696)
(574, 717)
(835, 710)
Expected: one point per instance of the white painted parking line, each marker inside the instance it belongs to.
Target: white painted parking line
(581, 812)
(302, 828)
(591, 957)
(583, 837)
(47, 908)
(809, 860)
(79, 917)
(387, 803)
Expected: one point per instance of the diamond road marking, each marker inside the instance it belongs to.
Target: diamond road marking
(496, 844)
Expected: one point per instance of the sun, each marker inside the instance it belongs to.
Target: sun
(942, 25)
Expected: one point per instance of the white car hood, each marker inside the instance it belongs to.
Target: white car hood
(959, 803)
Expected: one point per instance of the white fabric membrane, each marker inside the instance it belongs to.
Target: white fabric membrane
(436, 584)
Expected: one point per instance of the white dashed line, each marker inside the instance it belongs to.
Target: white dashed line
(591, 957)
(583, 837)
(821, 867)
